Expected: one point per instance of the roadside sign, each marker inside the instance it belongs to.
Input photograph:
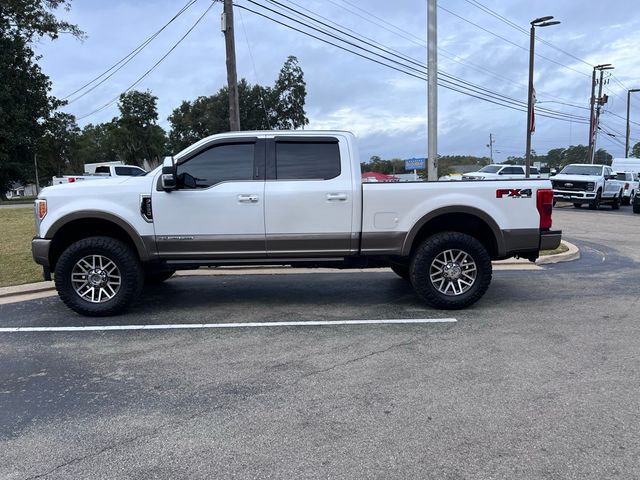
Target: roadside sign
(414, 164)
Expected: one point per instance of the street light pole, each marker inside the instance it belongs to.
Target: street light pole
(538, 22)
(432, 91)
(626, 144)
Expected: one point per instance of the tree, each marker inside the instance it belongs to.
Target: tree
(290, 91)
(25, 103)
(96, 143)
(56, 145)
(635, 150)
(603, 157)
(139, 137)
(261, 108)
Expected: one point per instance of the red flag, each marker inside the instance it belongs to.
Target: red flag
(532, 120)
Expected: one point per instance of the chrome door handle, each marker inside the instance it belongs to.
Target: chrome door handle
(248, 198)
(336, 197)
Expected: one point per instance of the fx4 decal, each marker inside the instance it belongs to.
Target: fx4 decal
(513, 193)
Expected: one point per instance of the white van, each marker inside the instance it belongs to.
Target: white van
(626, 165)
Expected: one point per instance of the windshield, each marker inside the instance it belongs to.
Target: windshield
(491, 169)
(581, 170)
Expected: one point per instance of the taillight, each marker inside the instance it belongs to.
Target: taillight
(545, 207)
(626, 186)
(72, 179)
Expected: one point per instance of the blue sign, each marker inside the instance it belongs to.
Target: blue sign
(414, 164)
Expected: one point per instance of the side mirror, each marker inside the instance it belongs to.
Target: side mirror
(168, 179)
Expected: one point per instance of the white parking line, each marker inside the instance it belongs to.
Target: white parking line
(178, 326)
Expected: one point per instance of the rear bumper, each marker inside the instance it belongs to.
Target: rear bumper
(550, 239)
(40, 251)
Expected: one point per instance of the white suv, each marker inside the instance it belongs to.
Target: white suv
(500, 172)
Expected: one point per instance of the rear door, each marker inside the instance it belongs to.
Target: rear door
(308, 197)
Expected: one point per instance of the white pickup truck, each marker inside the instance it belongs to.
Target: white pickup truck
(501, 172)
(282, 198)
(581, 183)
(100, 173)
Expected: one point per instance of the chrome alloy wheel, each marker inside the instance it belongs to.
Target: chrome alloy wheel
(96, 278)
(453, 272)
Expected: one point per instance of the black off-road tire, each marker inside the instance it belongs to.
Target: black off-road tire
(626, 200)
(424, 256)
(402, 270)
(636, 207)
(595, 203)
(119, 253)
(615, 204)
(577, 205)
(156, 277)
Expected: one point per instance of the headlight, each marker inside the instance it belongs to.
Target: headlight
(591, 186)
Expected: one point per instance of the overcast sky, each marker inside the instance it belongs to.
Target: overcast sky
(385, 108)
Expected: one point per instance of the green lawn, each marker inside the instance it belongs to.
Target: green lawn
(16, 264)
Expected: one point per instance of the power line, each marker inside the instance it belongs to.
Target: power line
(512, 24)
(511, 42)
(126, 59)
(421, 42)
(447, 82)
(144, 75)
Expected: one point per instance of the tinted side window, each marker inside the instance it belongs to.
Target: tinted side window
(533, 171)
(307, 161)
(128, 171)
(217, 164)
(102, 170)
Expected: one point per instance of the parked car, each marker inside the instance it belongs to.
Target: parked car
(581, 183)
(630, 186)
(501, 172)
(283, 198)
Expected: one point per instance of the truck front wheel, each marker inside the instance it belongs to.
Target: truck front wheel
(98, 276)
(595, 203)
(451, 270)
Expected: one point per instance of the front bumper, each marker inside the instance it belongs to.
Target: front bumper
(40, 250)
(572, 196)
(550, 239)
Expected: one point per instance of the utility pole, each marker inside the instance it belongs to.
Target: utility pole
(592, 114)
(628, 132)
(432, 90)
(35, 164)
(599, 102)
(491, 146)
(232, 75)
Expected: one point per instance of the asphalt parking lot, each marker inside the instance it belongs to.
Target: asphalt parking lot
(538, 380)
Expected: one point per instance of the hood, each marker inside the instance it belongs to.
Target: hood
(575, 178)
(92, 187)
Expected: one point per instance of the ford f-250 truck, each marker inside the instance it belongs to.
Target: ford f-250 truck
(282, 198)
(581, 183)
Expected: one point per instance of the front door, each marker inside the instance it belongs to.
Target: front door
(218, 208)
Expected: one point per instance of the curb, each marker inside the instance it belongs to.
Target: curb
(572, 254)
(40, 287)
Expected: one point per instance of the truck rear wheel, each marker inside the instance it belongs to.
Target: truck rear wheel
(451, 270)
(402, 270)
(98, 276)
(615, 205)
